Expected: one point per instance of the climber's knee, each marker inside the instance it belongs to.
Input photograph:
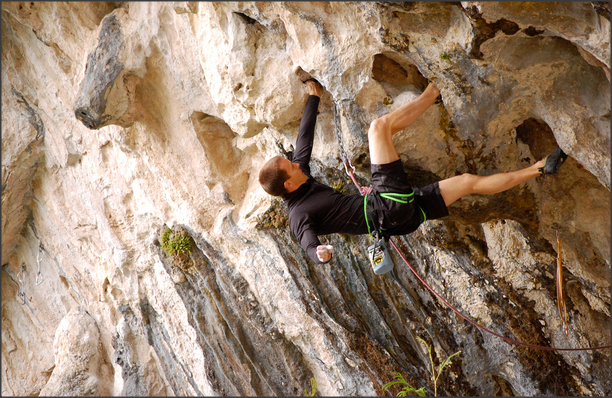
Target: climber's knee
(379, 128)
(382, 149)
(457, 187)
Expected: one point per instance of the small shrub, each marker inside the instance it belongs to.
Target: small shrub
(388, 100)
(175, 243)
(275, 217)
(339, 186)
(313, 384)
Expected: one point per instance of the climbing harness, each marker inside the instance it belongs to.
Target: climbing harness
(21, 296)
(378, 254)
(509, 340)
(559, 285)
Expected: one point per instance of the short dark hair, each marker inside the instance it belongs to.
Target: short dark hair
(272, 178)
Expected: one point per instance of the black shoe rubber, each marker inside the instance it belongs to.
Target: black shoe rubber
(553, 162)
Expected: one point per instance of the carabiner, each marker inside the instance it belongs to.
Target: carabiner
(21, 295)
(347, 163)
(39, 278)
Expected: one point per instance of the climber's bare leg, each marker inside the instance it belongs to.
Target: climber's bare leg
(466, 184)
(380, 135)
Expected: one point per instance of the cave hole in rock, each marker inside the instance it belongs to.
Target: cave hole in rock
(396, 78)
(531, 31)
(538, 136)
(246, 18)
(484, 30)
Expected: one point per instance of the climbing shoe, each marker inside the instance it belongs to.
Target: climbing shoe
(553, 162)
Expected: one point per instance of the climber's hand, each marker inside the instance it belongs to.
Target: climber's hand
(314, 88)
(324, 252)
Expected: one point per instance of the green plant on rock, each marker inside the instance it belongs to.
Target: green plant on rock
(445, 56)
(313, 384)
(435, 376)
(275, 217)
(175, 243)
(407, 389)
(444, 364)
(339, 186)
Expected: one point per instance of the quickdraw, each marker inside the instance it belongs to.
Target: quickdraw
(21, 295)
(509, 340)
(39, 276)
(350, 170)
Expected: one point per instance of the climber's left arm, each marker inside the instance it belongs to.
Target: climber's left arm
(305, 139)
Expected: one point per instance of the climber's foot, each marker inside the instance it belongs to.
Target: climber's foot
(434, 91)
(553, 162)
(433, 87)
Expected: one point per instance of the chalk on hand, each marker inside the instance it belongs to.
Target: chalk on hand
(329, 247)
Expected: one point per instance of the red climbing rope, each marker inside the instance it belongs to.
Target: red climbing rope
(368, 190)
(482, 327)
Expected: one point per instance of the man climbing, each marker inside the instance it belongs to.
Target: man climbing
(394, 208)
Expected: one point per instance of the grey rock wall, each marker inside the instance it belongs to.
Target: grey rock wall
(120, 119)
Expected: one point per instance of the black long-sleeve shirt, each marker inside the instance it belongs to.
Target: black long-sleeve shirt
(315, 208)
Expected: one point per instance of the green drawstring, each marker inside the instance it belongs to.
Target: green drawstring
(396, 196)
(365, 211)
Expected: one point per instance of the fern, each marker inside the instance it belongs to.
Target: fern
(407, 389)
(445, 363)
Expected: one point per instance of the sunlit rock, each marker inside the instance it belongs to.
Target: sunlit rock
(141, 257)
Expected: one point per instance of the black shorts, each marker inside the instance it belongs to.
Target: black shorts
(428, 203)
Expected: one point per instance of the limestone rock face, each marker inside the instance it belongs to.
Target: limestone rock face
(80, 369)
(131, 129)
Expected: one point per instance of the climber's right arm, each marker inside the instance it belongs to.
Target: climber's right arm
(318, 253)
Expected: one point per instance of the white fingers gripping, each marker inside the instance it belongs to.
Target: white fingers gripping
(324, 252)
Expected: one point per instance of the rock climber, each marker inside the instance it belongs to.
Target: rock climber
(395, 207)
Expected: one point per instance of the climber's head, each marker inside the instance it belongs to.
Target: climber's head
(279, 176)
